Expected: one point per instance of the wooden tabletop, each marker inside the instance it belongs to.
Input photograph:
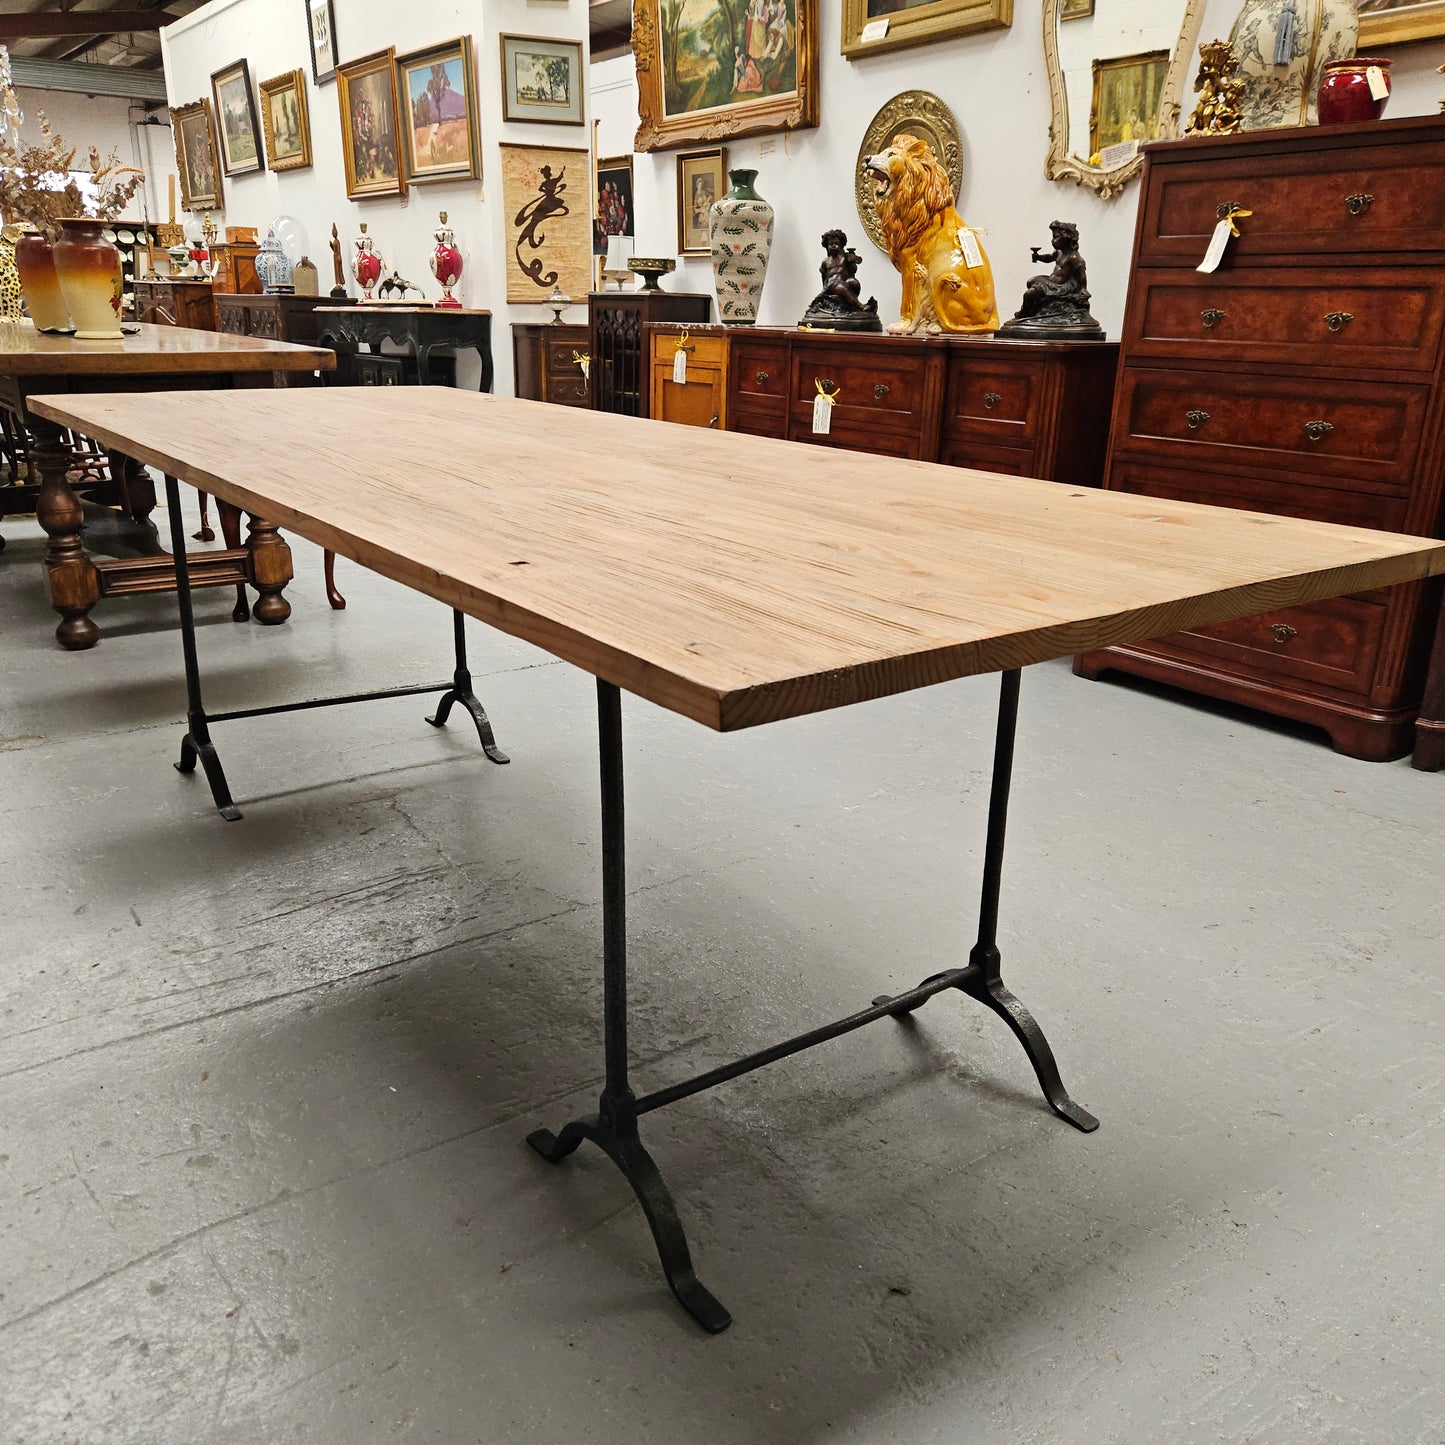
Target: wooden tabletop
(734, 579)
(24, 351)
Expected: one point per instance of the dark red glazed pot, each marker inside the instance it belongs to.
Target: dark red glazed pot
(1345, 90)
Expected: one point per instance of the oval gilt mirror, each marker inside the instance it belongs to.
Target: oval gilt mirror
(1117, 78)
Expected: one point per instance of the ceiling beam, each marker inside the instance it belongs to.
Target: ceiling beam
(40, 25)
(123, 80)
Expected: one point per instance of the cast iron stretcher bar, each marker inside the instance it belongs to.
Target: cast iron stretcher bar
(737, 581)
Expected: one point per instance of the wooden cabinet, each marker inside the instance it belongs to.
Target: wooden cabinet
(616, 321)
(274, 318)
(546, 364)
(1304, 377)
(700, 399)
(236, 268)
(176, 303)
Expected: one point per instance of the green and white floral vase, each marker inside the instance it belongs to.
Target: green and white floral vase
(740, 234)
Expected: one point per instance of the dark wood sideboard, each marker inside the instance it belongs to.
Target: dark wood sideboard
(274, 318)
(1305, 377)
(176, 303)
(615, 323)
(545, 363)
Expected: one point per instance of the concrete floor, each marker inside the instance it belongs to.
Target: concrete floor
(264, 1086)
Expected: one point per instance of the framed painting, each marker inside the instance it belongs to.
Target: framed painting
(549, 231)
(439, 112)
(1127, 95)
(711, 68)
(873, 26)
(240, 136)
(321, 28)
(701, 179)
(285, 122)
(1393, 22)
(613, 214)
(1076, 9)
(370, 141)
(196, 156)
(542, 80)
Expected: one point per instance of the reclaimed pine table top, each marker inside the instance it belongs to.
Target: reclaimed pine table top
(169, 350)
(734, 579)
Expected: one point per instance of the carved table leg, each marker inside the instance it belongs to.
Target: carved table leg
(337, 601)
(271, 564)
(137, 487)
(207, 532)
(231, 531)
(74, 584)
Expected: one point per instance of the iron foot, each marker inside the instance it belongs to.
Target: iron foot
(210, 762)
(627, 1152)
(472, 703)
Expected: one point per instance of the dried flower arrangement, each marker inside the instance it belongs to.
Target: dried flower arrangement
(36, 184)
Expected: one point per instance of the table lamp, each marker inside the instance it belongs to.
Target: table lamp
(619, 253)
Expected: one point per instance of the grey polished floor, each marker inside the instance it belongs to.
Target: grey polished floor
(264, 1086)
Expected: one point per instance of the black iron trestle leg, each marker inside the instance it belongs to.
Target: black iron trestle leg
(197, 742)
(983, 979)
(613, 1128)
(461, 691)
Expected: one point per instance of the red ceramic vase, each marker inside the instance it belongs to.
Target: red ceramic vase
(40, 286)
(1345, 90)
(446, 266)
(90, 279)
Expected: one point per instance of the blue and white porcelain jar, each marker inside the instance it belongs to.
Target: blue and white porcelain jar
(273, 266)
(740, 234)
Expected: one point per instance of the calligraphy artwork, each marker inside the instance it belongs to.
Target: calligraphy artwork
(546, 193)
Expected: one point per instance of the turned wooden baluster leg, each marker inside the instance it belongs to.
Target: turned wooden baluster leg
(328, 563)
(74, 583)
(231, 532)
(137, 486)
(271, 571)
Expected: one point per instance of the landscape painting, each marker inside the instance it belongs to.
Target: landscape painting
(439, 101)
(236, 116)
(542, 80)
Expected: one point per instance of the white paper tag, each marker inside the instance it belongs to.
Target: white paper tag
(822, 415)
(679, 366)
(1378, 88)
(874, 30)
(972, 251)
(1118, 154)
(1217, 242)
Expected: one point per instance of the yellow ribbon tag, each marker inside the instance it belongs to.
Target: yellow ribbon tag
(829, 396)
(1233, 212)
(823, 405)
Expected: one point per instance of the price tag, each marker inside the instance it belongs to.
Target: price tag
(1217, 242)
(1119, 154)
(874, 30)
(1379, 87)
(679, 366)
(822, 414)
(972, 251)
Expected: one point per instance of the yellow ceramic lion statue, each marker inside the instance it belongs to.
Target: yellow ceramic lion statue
(930, 244)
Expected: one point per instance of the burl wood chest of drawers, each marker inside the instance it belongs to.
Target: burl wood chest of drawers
(1303, 378)
(547, 363)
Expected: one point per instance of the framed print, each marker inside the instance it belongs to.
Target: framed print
(1127, 93)
(439, 112)
(285, 123)
(370, 149)
(196, 156)
(1076, 9)
(321, 27)
(873, 26)
(1393, 22)
(612, 213)
(542, 80)
(240, 136)
(545, 194)
(701, 179)
(707, 68)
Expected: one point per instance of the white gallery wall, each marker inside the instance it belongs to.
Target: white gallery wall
(997, 88)
(271, 36)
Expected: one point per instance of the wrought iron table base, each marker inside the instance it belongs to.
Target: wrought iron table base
(197, 746)
(614, 1127)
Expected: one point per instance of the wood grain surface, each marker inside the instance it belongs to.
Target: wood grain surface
(24, 351)
(734, 579)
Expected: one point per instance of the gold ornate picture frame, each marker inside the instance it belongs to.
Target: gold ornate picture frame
(1385, 23)
(686, 97)
(437, 93)
(285, 121)
(198, 157)
(702, 178)
(917, 22)
(371, 126)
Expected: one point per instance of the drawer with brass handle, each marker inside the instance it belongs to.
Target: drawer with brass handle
(995, 399)
(877, 389)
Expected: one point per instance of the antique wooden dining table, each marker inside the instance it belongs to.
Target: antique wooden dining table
(177, 359)
(735, 580)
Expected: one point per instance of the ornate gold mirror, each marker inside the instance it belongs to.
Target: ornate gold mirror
(1118, 72)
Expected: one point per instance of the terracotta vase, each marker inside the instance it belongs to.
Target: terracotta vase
(40, 286)
(90, 279)
(740, 236)
(1282, 47)
(1345, 90)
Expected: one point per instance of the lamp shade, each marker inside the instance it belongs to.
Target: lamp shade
(619, 252)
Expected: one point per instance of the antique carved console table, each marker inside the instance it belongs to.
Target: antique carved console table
(425, 330)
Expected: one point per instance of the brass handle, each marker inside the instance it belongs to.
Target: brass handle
(881, 390)
(1283, 631)
(713, 422)
(991, 399)
(1223, 210)
(1318, 429)
(681, 347)
(1359, 203)
(1338, 320)
(1196, 419)
(1211, 318)
(826, 385)
(761, 377)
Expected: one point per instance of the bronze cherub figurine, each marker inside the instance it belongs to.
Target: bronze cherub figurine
(1056, 305)
(837, 306)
